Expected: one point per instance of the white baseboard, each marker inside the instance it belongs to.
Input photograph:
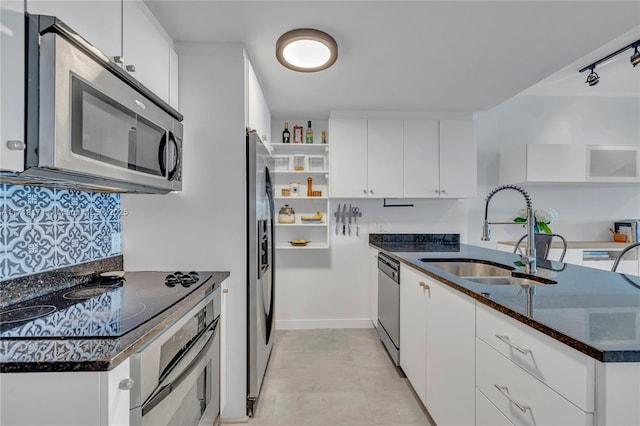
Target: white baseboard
(236, 420)
(326, 323)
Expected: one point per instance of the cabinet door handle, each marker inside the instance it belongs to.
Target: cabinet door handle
(364, 191)
(505, 391)
(126, 384)
(371, 191)
(437, 191)
(130, 68)
(118, 59)
(506, 340)
(443, 191)
(425, 285)
(14, 145)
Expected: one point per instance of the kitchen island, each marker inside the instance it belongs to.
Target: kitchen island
(578, 340)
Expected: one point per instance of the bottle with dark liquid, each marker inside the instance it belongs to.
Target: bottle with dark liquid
(286, 135)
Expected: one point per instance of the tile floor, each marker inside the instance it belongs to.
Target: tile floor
(337, 377)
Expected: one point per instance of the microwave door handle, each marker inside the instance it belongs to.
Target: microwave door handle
(165, 390)
(162, 153)
(176, 163)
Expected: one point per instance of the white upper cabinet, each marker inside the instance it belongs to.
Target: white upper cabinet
(403, 159)
(174, 73)
(125, 31)
(348, 158)
(458, 160)
(12, 86)
(421, 159)
(98, 22)
(384, 158)
(613, 163)
(259, 117)
(542, 163)
(145, 48)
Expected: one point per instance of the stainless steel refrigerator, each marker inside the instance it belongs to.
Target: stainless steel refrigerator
(260, 266)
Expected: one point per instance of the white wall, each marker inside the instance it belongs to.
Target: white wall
(203, 227)
(587, 210)
(326, 288)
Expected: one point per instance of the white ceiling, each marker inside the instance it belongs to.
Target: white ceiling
(436, 56)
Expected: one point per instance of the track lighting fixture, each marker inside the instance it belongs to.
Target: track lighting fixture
(635, 58)
(593, 78)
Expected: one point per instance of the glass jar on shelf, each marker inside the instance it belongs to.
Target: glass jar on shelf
(298, 163)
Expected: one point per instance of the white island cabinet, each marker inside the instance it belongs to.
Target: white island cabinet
(437, 346)
(66, 398)
(471, 364)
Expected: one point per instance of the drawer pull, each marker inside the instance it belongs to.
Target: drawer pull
(505, 391)
(506, 340)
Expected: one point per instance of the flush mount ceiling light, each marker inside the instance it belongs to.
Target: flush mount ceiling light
(593, 78)
(306, 50)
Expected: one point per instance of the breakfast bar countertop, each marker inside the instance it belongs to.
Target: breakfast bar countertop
(593, 311)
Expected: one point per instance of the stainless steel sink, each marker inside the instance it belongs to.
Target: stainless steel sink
(471, 268)
(510, 280)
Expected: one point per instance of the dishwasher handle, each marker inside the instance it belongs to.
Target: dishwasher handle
(389, 267)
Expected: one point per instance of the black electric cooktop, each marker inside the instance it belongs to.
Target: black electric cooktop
(106, 307)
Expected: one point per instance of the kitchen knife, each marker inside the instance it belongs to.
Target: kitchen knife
(338, 220)
(350, 215)
(344, 219)
(356, 213)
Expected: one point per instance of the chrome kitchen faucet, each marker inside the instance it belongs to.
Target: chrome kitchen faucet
(529, 260)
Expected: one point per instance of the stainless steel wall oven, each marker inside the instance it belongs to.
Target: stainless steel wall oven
(177, 376)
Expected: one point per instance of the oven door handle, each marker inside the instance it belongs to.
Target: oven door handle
(164, 390)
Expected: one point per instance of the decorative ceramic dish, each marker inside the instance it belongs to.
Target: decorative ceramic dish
(311, 220)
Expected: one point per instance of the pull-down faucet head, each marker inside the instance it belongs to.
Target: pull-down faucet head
(530, 259)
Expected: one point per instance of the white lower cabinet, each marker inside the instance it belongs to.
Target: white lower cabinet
(487, 414)
(437, 339)
(567, 371)
(522, 398)
(70, 399)
(413, 329)
(450, 353)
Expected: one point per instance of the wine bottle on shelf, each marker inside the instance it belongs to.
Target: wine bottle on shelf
(286, 135)
(309, 134)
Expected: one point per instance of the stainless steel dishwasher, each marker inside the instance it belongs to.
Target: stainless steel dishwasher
(389, 305)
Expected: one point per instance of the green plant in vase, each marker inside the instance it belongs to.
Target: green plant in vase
(543, 218)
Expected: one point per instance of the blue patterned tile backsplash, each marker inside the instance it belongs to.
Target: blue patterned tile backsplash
(44, 228)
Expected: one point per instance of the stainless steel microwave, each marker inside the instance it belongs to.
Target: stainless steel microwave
(89, 124)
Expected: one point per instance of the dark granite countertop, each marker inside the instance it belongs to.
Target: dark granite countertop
(593, 311)
(94, 354)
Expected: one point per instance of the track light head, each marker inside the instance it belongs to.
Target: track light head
(635, 58)
(593, 78)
